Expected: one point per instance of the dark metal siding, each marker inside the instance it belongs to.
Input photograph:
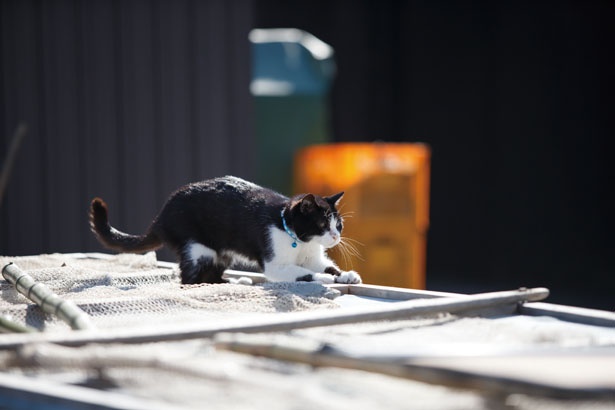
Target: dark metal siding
(126, 100)
(515, 99)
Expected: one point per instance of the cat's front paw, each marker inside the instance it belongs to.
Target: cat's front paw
(350, 277)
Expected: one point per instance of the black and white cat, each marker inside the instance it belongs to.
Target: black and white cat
(228, 222)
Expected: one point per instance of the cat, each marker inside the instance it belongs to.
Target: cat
(227, 222)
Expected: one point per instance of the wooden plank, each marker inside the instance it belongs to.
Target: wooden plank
(21, 392)
(570, 314)
(285, 321)
(389, 293)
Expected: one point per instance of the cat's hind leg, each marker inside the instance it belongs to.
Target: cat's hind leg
(200, 264)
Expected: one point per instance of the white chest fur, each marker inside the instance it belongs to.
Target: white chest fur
(283, 250)
(288, 263)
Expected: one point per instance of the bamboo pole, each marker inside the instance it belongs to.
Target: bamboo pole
(8, 326)
(289, 321)
(51, 303)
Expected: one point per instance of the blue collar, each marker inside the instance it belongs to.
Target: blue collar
(288, 231)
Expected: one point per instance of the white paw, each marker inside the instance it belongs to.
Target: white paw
(243, 280)
(350, 276)
(323, 278)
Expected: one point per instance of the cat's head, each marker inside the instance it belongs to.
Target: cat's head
(315, 218)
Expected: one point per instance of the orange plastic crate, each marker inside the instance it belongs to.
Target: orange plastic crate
(386, 201)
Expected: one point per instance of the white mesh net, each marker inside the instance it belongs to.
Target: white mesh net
(131, 290)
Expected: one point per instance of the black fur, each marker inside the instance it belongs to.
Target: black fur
(332, 270)
(224, 213)
(114, 239)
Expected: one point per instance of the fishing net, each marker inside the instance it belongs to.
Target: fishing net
(133, 290)
(136, 291)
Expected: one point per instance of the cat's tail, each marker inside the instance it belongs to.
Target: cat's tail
(113, 239)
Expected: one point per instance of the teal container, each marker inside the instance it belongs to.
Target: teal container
(292, 74)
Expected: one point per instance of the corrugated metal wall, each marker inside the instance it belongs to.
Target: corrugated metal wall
(126, 100)
(515, 98)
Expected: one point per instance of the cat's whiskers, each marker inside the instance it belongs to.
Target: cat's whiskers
(342, 214)
(348, 250)
(352, 245)
(344, 253)
(348, 214)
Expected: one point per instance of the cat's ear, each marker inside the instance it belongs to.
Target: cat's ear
(307, 204)
(334, 199)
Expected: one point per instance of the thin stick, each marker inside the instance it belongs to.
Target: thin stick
(288, 321)
(50, 356)
(11, 156)
(51, 303)
(237, 274)
(426, 372)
